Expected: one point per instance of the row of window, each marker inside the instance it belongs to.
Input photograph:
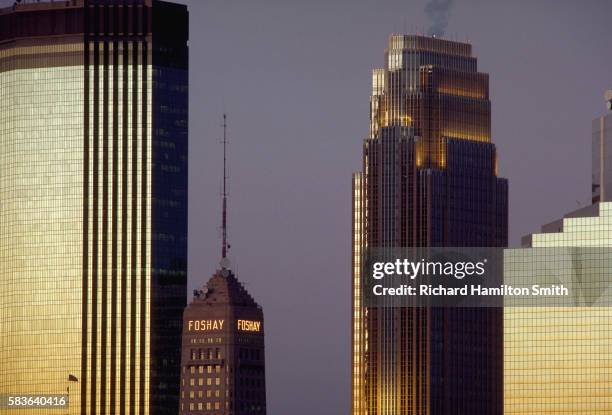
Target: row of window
(209, 381)
(202, 369)
(205, 354)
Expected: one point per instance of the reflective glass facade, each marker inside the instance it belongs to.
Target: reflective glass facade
(41, 217)
(558, 360)
(429, 178)
(94, 160)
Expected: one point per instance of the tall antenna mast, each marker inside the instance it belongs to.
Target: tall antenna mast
(224, 195)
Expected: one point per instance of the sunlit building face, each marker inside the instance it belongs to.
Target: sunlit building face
(429, 178)
(93, 196)
(558, 359)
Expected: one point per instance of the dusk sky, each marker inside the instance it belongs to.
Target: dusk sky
(294, 79)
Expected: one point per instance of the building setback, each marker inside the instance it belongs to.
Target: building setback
(93, 187)
(429, 178)
(223, 356)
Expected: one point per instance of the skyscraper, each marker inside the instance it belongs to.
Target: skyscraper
(558, 357)
(93, 188)
(602, 154)
(429, 179)
(223, 355)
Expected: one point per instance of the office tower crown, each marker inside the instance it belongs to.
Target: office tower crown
(224, 288)
(431, 88)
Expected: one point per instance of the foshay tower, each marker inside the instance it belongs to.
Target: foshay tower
(223, 358)
(429, 179)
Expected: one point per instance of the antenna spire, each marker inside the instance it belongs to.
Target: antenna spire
(224, 245)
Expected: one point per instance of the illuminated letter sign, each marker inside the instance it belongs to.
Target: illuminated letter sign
(249, 325)
(205, 325)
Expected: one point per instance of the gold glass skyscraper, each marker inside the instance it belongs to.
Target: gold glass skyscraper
(93, 193)
(429, 178)
(558, 359)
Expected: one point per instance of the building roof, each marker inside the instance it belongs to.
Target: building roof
(224, 288)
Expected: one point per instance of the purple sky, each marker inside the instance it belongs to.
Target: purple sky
(294, 78)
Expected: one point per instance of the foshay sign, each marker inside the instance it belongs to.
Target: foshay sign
(205, 325)
(249, 325)
(214, 325)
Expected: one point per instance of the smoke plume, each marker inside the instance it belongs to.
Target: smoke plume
(438, 12)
